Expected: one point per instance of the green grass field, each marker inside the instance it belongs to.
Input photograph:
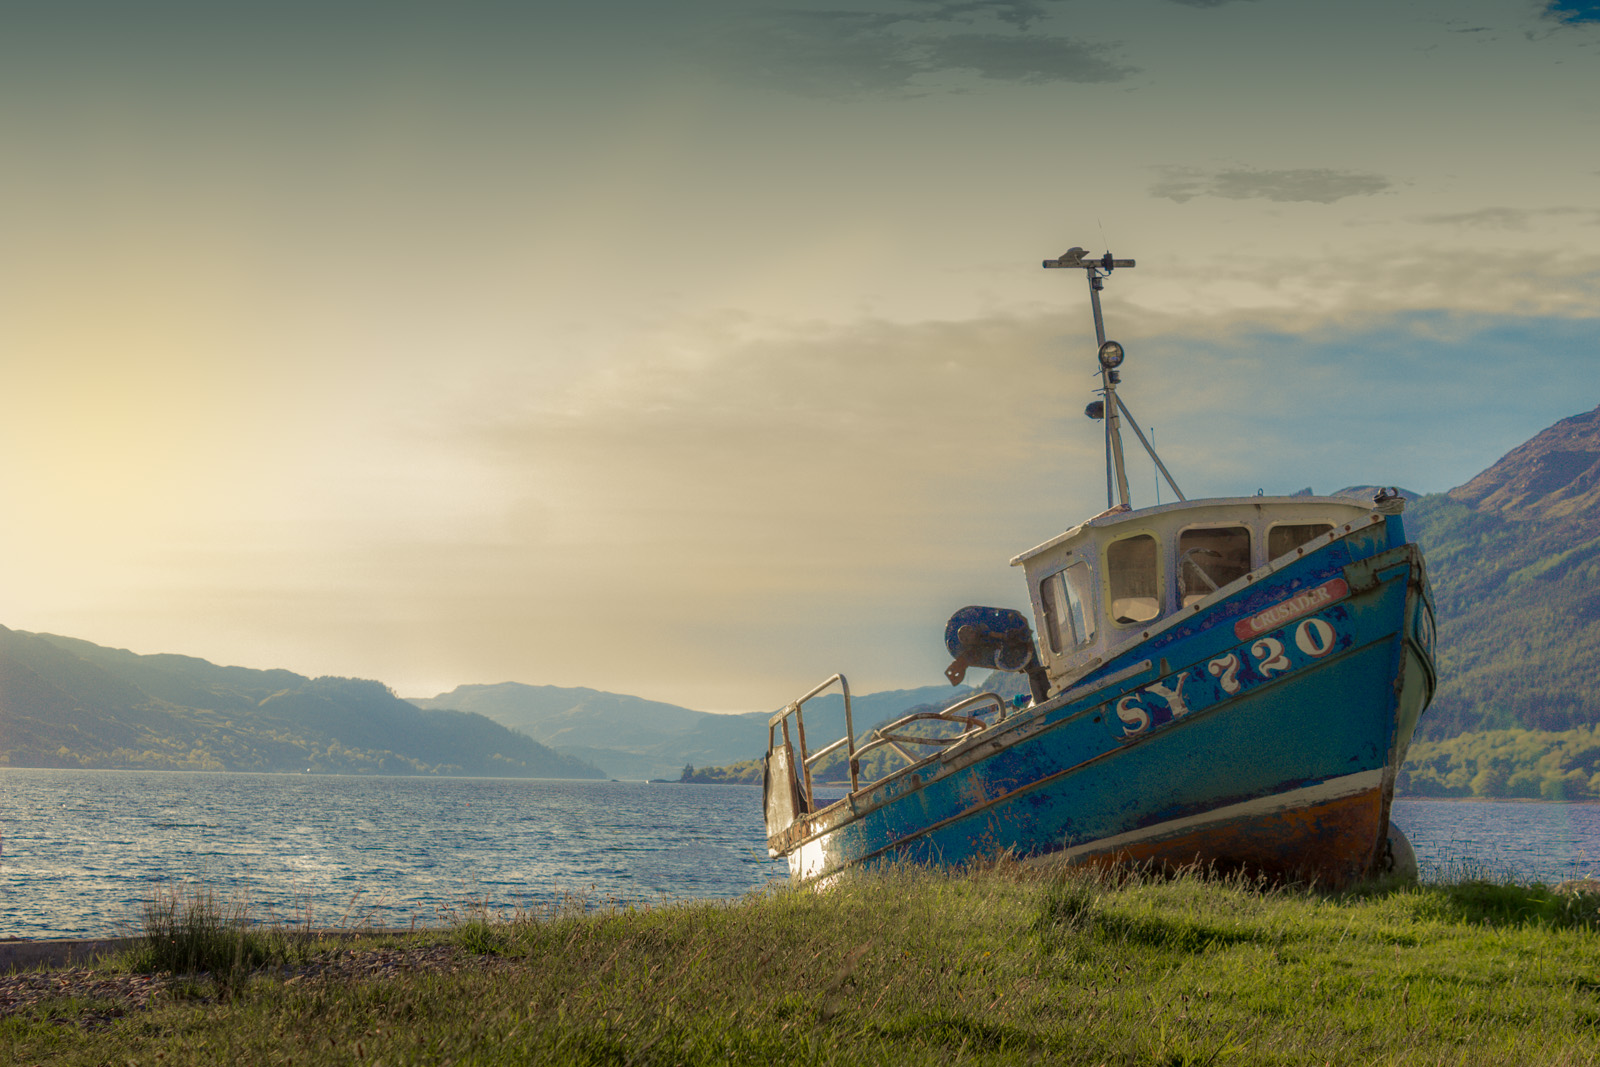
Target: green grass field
(998, 965)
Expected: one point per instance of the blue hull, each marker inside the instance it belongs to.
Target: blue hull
(1263, 730)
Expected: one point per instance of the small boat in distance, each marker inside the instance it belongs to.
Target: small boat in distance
(1229, 682)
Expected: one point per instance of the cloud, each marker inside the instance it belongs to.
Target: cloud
(834, 485)
(1201, 3)
(1505, 218)
(750, 429)
(1572, 12)
(820, 499)
(730, 511)
(1294, 294)
(1246, 380)
(818, 54)
(875, 466)
(844, 53)
(1316, 185)
(1018, 13)
(1026, 59)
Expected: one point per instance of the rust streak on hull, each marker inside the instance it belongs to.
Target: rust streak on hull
(1330, 841)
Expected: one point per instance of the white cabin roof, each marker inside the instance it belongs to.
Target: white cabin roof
(1229, 507)
(1109, 606)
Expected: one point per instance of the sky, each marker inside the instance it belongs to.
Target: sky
(702, 350)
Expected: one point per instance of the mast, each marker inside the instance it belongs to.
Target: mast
(1110, 356)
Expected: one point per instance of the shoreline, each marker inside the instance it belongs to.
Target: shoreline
(22, 954)
(1497, 800)
(52, 952)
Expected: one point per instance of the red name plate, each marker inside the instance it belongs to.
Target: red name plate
(1291, 609)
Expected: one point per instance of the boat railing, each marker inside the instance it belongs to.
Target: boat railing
(888, 734)
(807, 760)
(797, 753)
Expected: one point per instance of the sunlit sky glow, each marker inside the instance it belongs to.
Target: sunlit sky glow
(701, 350)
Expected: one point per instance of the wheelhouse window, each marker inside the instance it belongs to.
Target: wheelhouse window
(1286, 538)
(1209, 557)
(1133, 570)
(1068, 620)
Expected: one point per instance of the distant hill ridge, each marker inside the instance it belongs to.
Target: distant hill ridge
(66, 702)
(70, 703)
(630, 737)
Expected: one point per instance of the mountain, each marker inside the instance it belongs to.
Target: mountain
(630, 737)
(70, 703)
(65, 702)
(1514, 557)
(1553, 478)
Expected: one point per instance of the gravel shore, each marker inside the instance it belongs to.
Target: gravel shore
(112, 994)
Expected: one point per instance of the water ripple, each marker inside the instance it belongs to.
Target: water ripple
(83, 850)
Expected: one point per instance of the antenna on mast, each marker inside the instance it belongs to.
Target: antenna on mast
(1111, 355)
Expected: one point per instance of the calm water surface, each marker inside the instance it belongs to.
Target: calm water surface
(1517, 840)
(83, 850)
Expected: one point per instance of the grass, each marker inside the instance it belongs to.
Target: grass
(194, 931)
(910, 966)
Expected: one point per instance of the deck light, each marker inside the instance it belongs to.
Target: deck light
(1111, 355)
(1096, 409)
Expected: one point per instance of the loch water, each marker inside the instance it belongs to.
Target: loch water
(83, 851)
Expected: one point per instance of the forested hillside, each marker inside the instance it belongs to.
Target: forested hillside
(1514, 556)
(70, 703)
(1532, 764)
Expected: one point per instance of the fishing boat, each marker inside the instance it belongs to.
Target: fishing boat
(1228, 682)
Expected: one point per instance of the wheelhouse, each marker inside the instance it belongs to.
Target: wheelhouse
(1118, 577)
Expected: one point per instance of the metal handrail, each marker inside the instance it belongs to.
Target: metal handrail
(885, 730)
(894, 741)
(806, 760)
(981, 698)
(883, 735)
(828, 751)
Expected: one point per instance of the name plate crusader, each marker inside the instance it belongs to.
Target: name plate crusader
(1291, 609)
